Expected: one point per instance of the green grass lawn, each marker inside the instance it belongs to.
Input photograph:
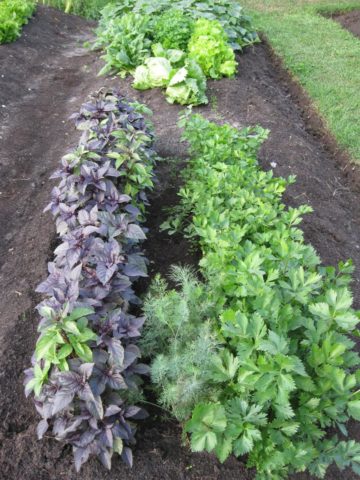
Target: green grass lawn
(324, 57)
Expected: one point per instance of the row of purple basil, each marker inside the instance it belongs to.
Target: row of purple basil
(99, 206)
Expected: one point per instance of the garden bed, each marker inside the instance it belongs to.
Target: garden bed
(350, 21)
(47, 75)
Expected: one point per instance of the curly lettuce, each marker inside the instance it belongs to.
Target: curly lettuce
(209, 47)
(173, 29)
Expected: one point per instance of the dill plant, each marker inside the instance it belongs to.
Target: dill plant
(177, 335)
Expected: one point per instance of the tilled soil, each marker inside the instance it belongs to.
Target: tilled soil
(350, 21)
(44, 77)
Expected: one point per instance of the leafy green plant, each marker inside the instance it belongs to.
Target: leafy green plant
(154, 73)
(284, 370)
(187, 85)
(209, 47)
(125, 41)
(65, 335)
(13, 15)
(173, 29)
(86, 8)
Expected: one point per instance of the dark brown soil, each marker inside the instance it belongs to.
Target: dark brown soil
(47, 75)
(350, 21)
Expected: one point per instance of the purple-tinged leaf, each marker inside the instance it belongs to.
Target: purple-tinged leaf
(105, 458)
(81, 455)
(116, 351)
(127, 456)
(62, 400)
(42, 429)
(86, 438)
(112, 410)
(135, 232)
(136, 413)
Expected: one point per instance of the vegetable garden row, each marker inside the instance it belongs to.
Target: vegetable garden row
(253, 353)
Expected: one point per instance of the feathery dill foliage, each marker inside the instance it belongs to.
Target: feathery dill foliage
(178, 334)
(284, 370)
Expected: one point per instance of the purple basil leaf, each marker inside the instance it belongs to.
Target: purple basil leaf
(135, 232)
(112, 410)
(136, 413)
(85, 439)
(116, 351)
(42, 429)
(127, 456)
(62, 399)
(106, 438)
(81, 455)
(105, 459)
(86, 370)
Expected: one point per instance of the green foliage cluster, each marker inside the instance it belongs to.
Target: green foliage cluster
(173, 29)
(196, 39)
(177, 332)
(66, 335)
(87, 8)
(13, 15)
(210, 48)
(283, 370)
(125, 40)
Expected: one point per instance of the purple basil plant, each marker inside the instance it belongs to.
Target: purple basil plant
(85, 370)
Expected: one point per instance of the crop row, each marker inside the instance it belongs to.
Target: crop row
(257, 358)
(175, 48)
(85, 373)
(13, 15)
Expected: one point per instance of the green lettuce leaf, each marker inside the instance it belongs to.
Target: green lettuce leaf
(155, 73)
(210, 48)
(187, 85)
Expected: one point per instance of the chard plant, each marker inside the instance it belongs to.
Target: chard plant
(283, 380)
(85, 373)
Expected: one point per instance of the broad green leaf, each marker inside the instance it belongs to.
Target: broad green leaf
(71, 327)
(47, 312)
(243, 444)
(347, 321)
(354, 409)
(86, 335)
(79, 312)
(201, 441)
(63, 365)
(64, 351)
(224, 367)
(118, 445)
(223, 448)
(84, 352)
(44, 344)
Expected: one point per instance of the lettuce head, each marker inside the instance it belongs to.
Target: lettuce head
(154, 73)
(210, 48)
(187, 85)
